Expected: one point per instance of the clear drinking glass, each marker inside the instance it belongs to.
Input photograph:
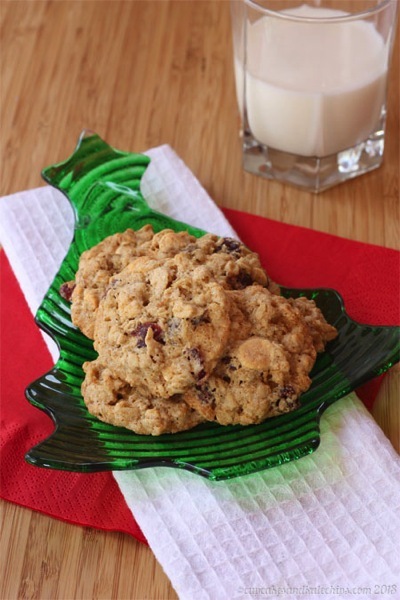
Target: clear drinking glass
(311, 82)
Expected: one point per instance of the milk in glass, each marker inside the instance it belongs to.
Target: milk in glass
(312, 89)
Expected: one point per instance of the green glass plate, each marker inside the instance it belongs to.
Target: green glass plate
(103, 186)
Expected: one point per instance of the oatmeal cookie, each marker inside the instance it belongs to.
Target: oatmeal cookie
(110, 256)
(161, 327)
(266, 365)
(116, 402)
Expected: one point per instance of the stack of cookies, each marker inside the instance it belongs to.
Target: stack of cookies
(189, 330)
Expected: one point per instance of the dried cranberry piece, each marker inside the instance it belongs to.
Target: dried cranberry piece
(141, 331)
(204, 394)
(286, 392)
(240, 281)
(66, 290)
(229, 245)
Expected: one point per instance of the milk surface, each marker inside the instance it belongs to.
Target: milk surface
(313, 89)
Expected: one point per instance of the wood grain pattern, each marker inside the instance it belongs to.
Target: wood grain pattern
(143, 73)
(43, 558)
(386, 409)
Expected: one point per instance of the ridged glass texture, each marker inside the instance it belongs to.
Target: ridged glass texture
(103, 186)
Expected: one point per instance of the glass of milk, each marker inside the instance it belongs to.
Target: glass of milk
(311, 79)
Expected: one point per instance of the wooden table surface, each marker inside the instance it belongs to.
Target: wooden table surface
(140, 74)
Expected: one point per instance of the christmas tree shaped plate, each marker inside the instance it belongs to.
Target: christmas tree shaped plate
(103, 186)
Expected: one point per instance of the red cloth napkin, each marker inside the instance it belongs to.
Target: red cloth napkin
(367, 277)
(91, 499)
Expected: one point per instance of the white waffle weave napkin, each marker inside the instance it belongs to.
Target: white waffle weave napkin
(326, 526)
